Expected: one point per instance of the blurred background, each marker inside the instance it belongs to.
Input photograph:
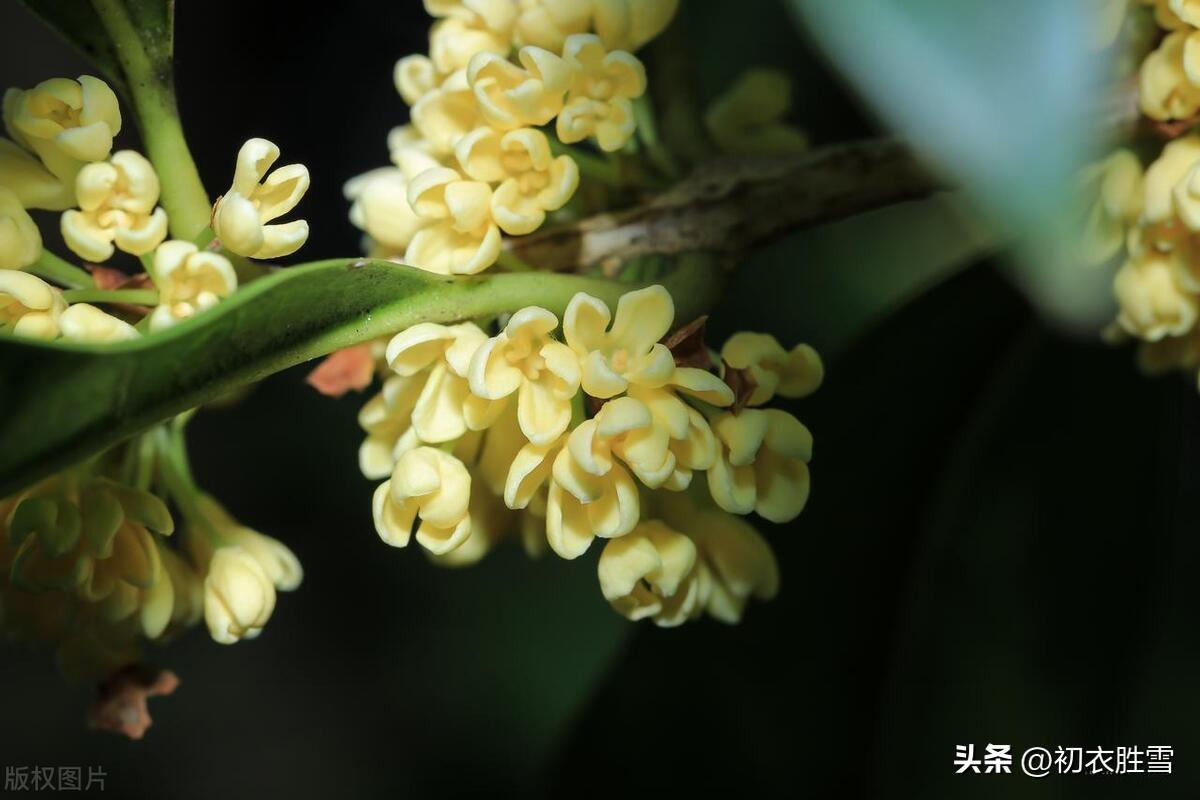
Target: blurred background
(1000, 547)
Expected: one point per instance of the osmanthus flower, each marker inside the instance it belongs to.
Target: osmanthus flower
(429, 494)
(1164, 16)
(445, 409)
(415, 76)
(548, 23)
(66, 123)
(623, 427)
(629, 24)
(387, 420)
(628, 353)
(379, 198)
(795, 373)
(35, 187)
(447, 113)
(1113, 189)
(736, 562)
(1187, 11)
(511, 96)
(532, 181)
(603, 87)
(1157, 295)
(651, 574)
(460, 237)
(467, 27)
(524, 359)
(762, 464)
(689, 436)
(189, 281)
(749, 118)
(29, 306)
(118, 202)
(82, 322)
(1165, 90)
(20, 240)
(241, 216)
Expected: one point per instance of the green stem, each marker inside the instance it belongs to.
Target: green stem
(647, 128)
(53, 268)
(153, 94)
(132, 297)
(511, 262)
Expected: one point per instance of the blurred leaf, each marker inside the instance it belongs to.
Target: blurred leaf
(78, 23)
(994, 94)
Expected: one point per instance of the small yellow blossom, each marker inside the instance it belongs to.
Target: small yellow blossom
(20, 239)
(239, 597)
(67, 123)
(775, 371)
(86, 323)
(1165, 91)
(432, 486)
(651, 574)
(29, 306)
(241, 215)
(117, 205)
(763, 464)
(468, 27)
(748, 118)
(629, 24)
(511, 96)
(386, 419)
(379, 198)
(415, 76)
(447, 113)
(1187, 11)
(1114, 189)
(548, 23)
(628, 353)
(278, 562)
(189, 281)
(1163, 15)
(532, 181)
(525, 359)
(623, 427)
(31, 182)
(1157, 295)
(600, 101)
(461, 237)
(445, 409)
(690, 439)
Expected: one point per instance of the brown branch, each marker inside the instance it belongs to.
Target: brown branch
(732, 204)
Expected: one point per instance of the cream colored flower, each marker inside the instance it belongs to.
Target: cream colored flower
(511, 96)
(387, 421)
(628, 353)
(241, 215)
(532, 181)
(1165, 91)
(1187, 11)
(29, 306)
(67, 123)
(607, 507)
(20, 239)
(468, 27)
(525, 359)
(548, 23)
(461, 238)
(691, 440)
(529, 471)
(1163, 15)
(749, 117)
(117, 205)
(86, 323)
(446, 114)
(1115, 192)
(600, 101)
(278, 562)
(33, 184)
(379, 198)
(1157, 295)
(415, 76)
(775, 371)
(623, 427)
(239, 596)
(763, 464)
(432, 486)
(629, 24)
(1164, 174)
(651, 574)
(189, 281)
(445, 408)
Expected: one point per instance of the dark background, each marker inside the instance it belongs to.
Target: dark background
(1001, 544)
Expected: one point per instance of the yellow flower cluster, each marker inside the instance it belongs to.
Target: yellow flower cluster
(475, 163)
(596, 435)
(87, 568)
(1169, 80)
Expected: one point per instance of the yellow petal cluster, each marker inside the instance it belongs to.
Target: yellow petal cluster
(29, 306)
(242, 215)
(1169, 78)
(1113, 197)
(189, 281)
(117, 206)
(66, 123)
(20, 240)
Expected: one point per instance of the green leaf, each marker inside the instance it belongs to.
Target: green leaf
(996, 95)
(60, 403)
